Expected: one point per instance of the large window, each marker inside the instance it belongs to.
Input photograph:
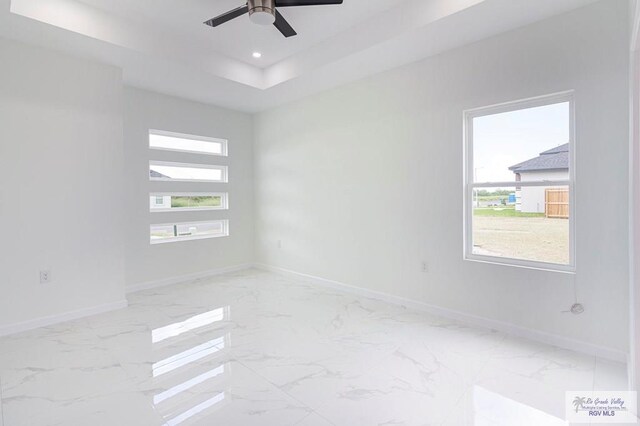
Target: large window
(519, 174)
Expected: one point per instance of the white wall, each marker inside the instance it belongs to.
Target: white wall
(362, 183)
(147, 263)
(61, 161)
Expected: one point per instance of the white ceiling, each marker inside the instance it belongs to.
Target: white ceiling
(162, 45)
(239, 38)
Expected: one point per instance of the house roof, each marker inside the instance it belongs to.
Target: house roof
(554, 159)
(156, 174)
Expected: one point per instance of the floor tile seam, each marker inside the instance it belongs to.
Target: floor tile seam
(317, 414)
(160, 417)
(485, 364)
(312, 410)
(140, 387)
(131, 385)
(136, 387)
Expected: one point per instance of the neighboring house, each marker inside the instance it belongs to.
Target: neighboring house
(159, 201)
(549, 165)
(156, 174)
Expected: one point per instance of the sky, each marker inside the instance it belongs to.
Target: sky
(172, 143)
(503, 140)
(190, 173)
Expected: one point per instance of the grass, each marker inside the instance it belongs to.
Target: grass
(503, 211)
(491, 197)
(195, 201)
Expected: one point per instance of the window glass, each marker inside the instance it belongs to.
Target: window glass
(202, 201)
(187, 143)
(519, 183)
(188, 231)
(186, 172)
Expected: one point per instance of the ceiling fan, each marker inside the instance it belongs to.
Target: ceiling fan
(264, 12)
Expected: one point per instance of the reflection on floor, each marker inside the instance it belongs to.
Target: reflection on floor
(254, 348)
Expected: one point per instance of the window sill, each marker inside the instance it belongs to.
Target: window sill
(524, 264)
(189, 238)
(186, 209)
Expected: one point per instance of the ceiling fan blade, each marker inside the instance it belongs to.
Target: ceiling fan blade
(287, 3)
(283, 26)
(225, 17)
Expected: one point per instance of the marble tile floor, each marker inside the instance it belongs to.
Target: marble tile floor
(255, 348)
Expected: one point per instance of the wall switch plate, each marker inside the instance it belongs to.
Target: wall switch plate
(45, 276)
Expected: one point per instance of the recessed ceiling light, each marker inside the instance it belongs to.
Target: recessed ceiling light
(257, 55)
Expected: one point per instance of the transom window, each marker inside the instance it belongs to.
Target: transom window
(170, 141)
(188, 201)
(519, 180)
(172, 232)
(186, 172)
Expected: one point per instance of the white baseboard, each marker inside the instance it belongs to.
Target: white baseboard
(512, 329)
(56, 319)
(183, 278)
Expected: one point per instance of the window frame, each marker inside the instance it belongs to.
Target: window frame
(469, 184)
(223, 169)
(224, 205)
(223, 142)
(225, 225)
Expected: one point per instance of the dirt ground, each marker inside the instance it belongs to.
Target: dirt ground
(533, 238)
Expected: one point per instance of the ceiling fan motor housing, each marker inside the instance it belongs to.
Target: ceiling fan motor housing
(262, 12)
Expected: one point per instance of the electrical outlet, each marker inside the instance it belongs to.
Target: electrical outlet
(45, 276)
(425, 267)
(279, 244)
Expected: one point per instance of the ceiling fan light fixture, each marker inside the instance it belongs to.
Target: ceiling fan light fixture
(262, 12)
